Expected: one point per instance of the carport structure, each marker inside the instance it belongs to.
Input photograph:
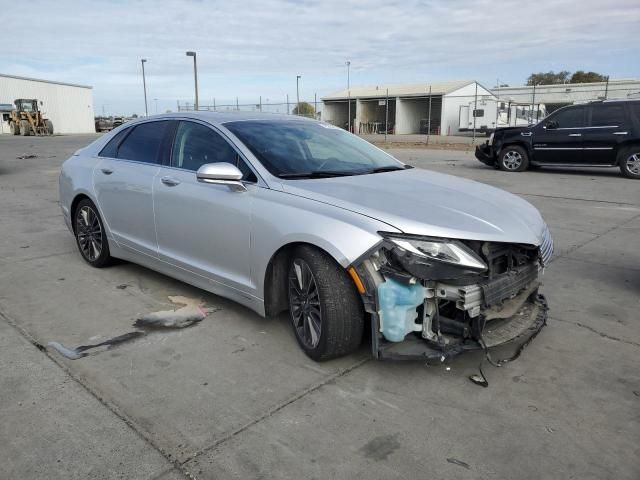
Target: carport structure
(405, 109)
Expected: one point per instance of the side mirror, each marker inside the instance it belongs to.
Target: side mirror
(221, 174)
(551, 125)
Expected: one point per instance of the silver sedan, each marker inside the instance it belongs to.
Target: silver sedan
(284, 213)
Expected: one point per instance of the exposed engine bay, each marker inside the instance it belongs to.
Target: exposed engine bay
(435, 298)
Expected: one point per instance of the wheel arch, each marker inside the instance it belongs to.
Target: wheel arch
(275, 277)
(518, 143)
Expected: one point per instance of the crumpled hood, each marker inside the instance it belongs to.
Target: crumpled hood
(423, 202)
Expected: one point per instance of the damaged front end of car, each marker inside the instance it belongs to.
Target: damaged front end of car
(433, 298)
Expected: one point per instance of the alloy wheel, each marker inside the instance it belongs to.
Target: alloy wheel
(304, 302)
(512, 160)
(89, 233)
(633, 163)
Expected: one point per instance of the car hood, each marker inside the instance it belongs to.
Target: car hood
(423, 202)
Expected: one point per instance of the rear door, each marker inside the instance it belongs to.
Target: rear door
(202, 227)
(558, 139)
(606, 129)
(124, 182)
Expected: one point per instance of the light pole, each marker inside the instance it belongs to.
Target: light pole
(298, 77)
(195, 76)
(144, 85)
(349, 93)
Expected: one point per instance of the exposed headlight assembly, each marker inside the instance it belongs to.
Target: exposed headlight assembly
(434, 258)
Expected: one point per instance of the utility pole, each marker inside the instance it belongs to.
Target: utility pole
(349, 94)
(315, 105)
(497, 102)
(386, 116)
(475, 107)
(429, 119)
(195, 76)
(606, 88)
(144, 85)
(533, 102)
(298, 94)
(287, 104)
(260, 103)
(237, 104)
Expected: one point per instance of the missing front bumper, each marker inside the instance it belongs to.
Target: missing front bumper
(520, 328)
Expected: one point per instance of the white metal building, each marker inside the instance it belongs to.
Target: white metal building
(555, 96)
(68, 106)
(412, 108)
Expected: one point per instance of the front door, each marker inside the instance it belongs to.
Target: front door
(558, 138)
(605, 130)
(124, 184)
(202, 227)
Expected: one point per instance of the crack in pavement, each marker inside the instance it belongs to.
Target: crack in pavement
(277, 408)
(576, 247)
(94, 392)
(598, 332)
(576, 199)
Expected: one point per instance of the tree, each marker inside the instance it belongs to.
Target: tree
(304, 108)
(587, 77)
(548, 78)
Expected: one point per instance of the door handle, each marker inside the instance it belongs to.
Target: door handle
(169, 181)
(106, 171)
(575, 134)
(620, 133)
(525, 134)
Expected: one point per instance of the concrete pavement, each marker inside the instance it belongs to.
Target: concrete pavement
(234, 397)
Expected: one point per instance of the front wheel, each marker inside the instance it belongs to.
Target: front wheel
(49, 126)
(25, 128)
(513, 158)
(325, 309)
(90, 235)
(629, 162)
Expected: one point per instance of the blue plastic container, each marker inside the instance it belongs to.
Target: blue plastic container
(398, 304)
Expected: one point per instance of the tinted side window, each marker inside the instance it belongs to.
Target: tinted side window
(197, 144)
(111, 148)
(143, 144)
(607, 115)
(570, 118)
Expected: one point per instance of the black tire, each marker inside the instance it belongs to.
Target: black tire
(629, 162)
(49, 126)
(91, 237)
(513, 158)
(15, 128)
(333, 306)
(25, 128)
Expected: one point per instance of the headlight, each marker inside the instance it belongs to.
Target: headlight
(435, 258)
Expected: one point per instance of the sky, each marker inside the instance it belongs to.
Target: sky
(255, 48)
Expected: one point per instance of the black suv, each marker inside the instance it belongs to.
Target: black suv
(602, 133)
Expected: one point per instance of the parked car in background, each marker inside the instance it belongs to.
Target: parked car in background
(596, 134)
(285, 213)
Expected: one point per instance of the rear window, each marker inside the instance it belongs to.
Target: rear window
(143, 144)
(111, 149)
(607, 116)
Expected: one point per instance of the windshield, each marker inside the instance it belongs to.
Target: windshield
(298, 149)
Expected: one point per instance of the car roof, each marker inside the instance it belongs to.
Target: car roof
(219, 118)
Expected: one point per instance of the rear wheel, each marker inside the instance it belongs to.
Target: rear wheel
(513, 158)
(629, 162)
(25, 128)
(49, 126)
(325, 308)
(90, 234)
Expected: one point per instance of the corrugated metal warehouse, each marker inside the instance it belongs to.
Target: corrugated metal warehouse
(412, 108)
(68, 106)
(556, 96)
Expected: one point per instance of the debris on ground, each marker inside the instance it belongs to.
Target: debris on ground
(192, 311)
(455, 461)
(26, 157)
